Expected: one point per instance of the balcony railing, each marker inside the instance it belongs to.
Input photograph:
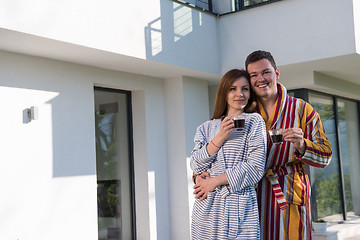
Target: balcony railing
(205, 5)
(220, 7)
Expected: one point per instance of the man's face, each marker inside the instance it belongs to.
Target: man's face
(263, 78)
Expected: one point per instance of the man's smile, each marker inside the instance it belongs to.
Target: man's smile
(262, 85)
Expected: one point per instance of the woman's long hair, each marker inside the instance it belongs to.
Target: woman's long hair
(221, 106)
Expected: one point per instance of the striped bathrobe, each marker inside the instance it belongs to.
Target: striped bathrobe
(230, 212)
(284, 193)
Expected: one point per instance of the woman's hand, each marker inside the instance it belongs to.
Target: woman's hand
(203, 187)
(227, 126)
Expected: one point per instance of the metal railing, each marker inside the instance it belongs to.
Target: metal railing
(204, 5)
(234, 6)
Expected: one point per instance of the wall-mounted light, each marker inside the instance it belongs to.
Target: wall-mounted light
(33, 113)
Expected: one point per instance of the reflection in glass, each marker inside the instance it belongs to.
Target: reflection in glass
(113, 166)
(252, 2)
(327, 180)
(291, 93)
(349, 146)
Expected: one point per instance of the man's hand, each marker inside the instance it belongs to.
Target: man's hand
(296, 136)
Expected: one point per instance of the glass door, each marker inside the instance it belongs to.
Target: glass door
(350, 154)
(114, 164)
(327, 184)
(335, 189)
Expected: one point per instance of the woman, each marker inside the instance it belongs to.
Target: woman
(226, 204)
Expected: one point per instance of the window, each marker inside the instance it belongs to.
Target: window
(114, 164)
(327, 181)
(350, 156)
(247, 3)
(335, 189)
(226, 6)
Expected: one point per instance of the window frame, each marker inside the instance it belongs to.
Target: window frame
(131, 149)
(239, 6)
(303, 93)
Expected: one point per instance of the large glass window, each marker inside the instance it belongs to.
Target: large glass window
(327, 181)
(113, 164)
(350, 157)
(335, 189)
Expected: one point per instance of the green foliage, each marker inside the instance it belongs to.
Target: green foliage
(327, 194)
(328, 197)
(106, 146)
(106, 153)
(326, 111)
(348, 195)
(107, 199)
(328, 191)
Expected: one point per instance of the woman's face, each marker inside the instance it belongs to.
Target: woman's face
(238, 96)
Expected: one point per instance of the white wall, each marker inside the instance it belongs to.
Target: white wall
(189, 38)
(174, 100)
(212, 96)
(293, 31)
(49, 177)
(48, 182)
(339, 86)
(158, 30)
(356, 14)
(196, 109)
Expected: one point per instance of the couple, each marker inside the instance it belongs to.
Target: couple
(246, 187)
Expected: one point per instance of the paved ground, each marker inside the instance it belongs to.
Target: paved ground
(348, 230)
(356, 237)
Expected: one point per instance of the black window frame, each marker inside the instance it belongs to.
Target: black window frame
(303, 93)
(131, 150)
(239, 6)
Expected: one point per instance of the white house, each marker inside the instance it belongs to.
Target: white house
(118, 88)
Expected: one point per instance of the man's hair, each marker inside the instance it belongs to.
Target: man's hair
(258, 55)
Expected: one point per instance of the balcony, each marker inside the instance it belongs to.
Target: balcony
(219, 7)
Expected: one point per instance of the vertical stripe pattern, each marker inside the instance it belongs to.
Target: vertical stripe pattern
(284, 194)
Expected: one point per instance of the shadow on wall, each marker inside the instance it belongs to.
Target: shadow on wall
(182, 36)
(163, 33)
(73, 143)
(66, 117)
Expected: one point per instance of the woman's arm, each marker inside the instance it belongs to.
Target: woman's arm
(250, 171)
(203, 187)
(247, 172)
(205, 151)
(200, 159)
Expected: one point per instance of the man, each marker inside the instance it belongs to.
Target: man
(284, 192)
